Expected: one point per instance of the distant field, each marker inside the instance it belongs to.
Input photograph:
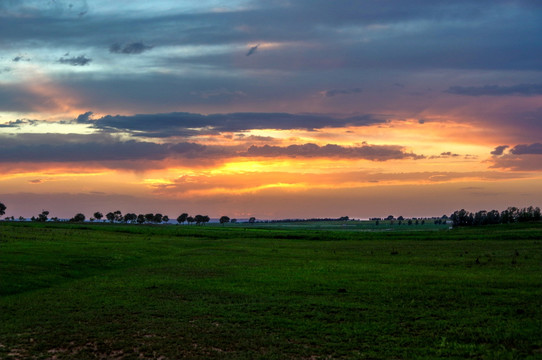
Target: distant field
(349, 290)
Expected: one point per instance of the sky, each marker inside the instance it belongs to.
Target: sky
(273, 109)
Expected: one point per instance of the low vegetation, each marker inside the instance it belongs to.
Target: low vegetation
(269, 291)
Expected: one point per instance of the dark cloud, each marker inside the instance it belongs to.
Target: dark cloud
(17, 123)
(183, 124)
(499, 150)
(335, 92)
(20, 58)
(445, 155)
(84, 118)
(369, 152)
(523, 157)
(73, 148)
(80, 60)
(496, 90)
(448, 154)
(104, 148)
(535, 149)
(252, 50)
(132, 48)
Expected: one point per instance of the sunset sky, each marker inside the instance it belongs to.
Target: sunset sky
(273, 109)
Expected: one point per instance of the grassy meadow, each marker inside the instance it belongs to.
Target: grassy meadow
(270, 291)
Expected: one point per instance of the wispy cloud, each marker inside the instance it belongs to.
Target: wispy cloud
(80, 60)
(20, 58)
(369, 152)
(445, 155)
(496, 90)
(131, 48)
(252, 50)
(335, 92)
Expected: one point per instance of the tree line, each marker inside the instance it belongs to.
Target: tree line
(128, 218)
(458, 218)
(510, 215)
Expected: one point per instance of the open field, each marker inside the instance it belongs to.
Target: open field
(271, 291)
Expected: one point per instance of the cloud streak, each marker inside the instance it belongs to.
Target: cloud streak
(187, 124)
(80, 60)
(131, 48)
(496, 90)
(252, 50)
(368, 152)
(335, 92)
(106, 148)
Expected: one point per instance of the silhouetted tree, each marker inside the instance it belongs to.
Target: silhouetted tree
(149, 217)
(110, 216)
(206, 219)
(233, 221)
(43, 216)
(79, 217)
(401, 218)
(2, 209)
(462, 218)
(224, 219)
(140, 219)
(165, 218)
(130, 218)
(118, 216)
(198, 219)
(157, 218)
(98, 215)
(536, 214)
(190, 220)
(493, 217)
(22, 218)
(252, 220)
(182, 218)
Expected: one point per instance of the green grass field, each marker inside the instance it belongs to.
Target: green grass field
(270, 291)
